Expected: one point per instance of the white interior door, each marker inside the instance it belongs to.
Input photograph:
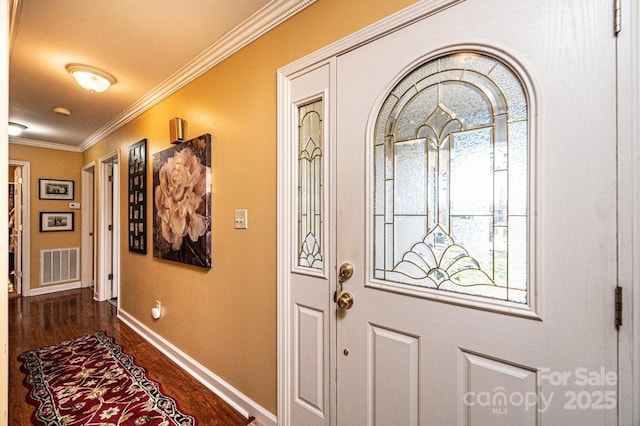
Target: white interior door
(476, 202)
(16, 237)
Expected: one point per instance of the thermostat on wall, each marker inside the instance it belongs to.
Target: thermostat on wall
(74, 205)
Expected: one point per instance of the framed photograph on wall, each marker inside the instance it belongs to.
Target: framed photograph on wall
(182, 202)
(56, 221)
(51, 189)
(137, 230)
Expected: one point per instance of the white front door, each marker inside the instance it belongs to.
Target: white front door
(476, 202)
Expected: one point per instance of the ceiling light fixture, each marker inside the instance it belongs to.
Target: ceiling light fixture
(62, 111)
(14, 129)
(91, 78)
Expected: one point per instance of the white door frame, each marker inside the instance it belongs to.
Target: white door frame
(105, 253)
(629, 212)
(628, 195)
(88, 249)
(25, 245)
(4, 217)
(115, 246)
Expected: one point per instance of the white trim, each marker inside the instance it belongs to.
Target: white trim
(55, 288)
(41, 144)
(4, 211)
(232, 396)
(271, 15)
(103, 244)
(393, 22)
(26, 225)
(628, 45)
(115, 207)
(87, 242)
(283, 248)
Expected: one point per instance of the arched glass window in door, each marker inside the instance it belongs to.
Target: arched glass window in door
(451, 179)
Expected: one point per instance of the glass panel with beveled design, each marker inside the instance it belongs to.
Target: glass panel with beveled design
(310, 197)
(451, 179)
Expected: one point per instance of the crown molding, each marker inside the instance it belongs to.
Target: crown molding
(14, 15)
(270, 16)
(41, 144)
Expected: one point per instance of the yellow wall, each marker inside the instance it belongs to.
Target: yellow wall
(49, 164)
(225, 317)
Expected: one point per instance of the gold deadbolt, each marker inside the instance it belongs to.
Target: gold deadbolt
(345, 301)
(345, 272)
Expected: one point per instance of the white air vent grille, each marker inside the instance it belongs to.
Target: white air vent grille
(59, 265)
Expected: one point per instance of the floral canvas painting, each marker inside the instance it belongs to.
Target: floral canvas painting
(182, 203)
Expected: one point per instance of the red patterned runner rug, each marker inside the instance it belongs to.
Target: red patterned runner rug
(90, 381)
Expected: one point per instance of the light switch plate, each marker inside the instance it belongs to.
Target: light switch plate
(74, 205)
(241, 220)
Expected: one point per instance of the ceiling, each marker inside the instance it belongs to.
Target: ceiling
(148, 45)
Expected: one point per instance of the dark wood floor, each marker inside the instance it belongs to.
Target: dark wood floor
(49, 319)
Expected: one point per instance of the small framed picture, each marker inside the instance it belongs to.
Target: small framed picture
(51, 189)
(56, 221)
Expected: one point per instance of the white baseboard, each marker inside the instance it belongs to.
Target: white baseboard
(243, 404)
(53, 288)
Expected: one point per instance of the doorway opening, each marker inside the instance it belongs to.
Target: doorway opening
(107, 277)
(19, 233)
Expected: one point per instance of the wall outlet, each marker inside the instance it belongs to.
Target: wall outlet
(74, 205)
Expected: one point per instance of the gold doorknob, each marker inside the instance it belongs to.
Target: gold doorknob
(345, 301)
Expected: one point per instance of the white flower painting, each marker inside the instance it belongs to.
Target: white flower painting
(182, 203)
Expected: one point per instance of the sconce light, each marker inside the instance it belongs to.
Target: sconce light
(177, 130)
(91, 78)
(14, 129)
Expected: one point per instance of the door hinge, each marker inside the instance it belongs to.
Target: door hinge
(20, 181)
(617, 24)
(618, 307)
(110, 178)
(110, 227)
(19, 274)
(110, 277)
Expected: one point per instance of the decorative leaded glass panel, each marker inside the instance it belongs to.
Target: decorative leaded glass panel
(310, 140)
(451, 179)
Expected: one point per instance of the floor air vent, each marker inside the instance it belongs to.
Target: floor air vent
(59, 265)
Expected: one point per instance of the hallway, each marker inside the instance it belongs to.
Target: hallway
(49, 319)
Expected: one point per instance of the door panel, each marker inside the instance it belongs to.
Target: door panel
(17, 230)
(428, 357)
(310, 309)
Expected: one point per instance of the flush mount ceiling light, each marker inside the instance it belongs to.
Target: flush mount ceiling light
(91, 78)
(62, 111)
(14, 129)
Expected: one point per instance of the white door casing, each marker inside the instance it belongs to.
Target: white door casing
(115, 235)
(88, 231)
(573, 271)
(25, 238)
(17, 230)
(108, 247)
